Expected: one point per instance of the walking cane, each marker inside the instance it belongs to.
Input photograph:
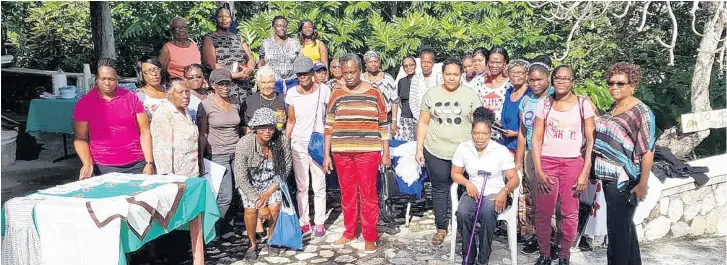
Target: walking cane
(484, 175)
(585, 225)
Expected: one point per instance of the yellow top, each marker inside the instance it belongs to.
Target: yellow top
(311, 51)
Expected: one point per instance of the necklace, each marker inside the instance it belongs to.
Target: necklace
(618, 107)
(263, 99)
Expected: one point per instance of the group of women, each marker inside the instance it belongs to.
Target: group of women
(536, 122)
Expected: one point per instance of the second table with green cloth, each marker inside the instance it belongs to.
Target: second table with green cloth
(197, 199)
(50, 115)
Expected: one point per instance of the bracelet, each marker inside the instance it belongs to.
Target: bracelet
(150, 162)
(506, 190)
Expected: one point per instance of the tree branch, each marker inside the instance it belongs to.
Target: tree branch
(626, 10)
(570, 36)
(674, 34)
(538, 5)
(695, 6)
(643, 16)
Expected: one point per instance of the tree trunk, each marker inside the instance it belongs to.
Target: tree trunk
(102, 29)
(683, 144)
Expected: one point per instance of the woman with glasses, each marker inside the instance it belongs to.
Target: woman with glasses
(336, 80)
(306, 113)
(223, 49)
(266, 97)
(624, 149)
(149, 76)
(180, 51)
(199, 89)
(515, 91)
(174, 134)
(262, 162)
(218, 120)
(563, 123)
(405, 129)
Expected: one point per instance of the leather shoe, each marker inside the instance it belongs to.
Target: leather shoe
(563, 261)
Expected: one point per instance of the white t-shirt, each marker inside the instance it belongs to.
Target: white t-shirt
(495, 160)
(492, 98)
(194, 102)
(305, 111)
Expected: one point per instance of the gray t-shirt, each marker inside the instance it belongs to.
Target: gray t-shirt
(450, 119)
(223, 126)
(255, 102)
(280, 57)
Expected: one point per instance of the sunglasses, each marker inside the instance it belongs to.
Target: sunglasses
(617, 84)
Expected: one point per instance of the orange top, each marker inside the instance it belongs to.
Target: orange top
(181, 57)
(357, 122)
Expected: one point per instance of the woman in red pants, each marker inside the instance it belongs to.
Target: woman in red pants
(357, 131)
(563, 121)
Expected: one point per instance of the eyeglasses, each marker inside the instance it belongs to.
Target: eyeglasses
(180, 28)
(155, 70)
(518, 73)
(194, 77)
(266, 128)
(563, 79)
(617, 84)
(225, 84)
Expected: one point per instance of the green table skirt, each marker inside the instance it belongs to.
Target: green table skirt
(50, 115)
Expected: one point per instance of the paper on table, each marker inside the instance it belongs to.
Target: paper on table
(214, 173)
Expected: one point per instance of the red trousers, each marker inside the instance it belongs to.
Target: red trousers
(357, 176)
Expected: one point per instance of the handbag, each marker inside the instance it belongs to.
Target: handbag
(287, 231)
(389, 188)
(317, 142)
(389, 185)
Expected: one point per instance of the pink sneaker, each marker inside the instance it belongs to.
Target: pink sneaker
(305, 229)
(320, 230)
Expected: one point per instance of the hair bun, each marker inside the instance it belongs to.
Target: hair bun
(483, 114)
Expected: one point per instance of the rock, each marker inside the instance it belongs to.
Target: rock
(401, 261)
(344, 251)
(427, 221)
(345, 258)
(390, 253)
(290, 252)
(318, 260)
(437, 262)
(424, 257)
(640, 232)
(707, 204)
(403, 254)
(374, 261)
(664, 205)
(679, 229)
(310, 248)
(655, 212)
(331, 239)
(690, 211)
(305, 256)
(260, 263)
(277, 260)
(710, 223)
(698, 226)
(720, 191)
(687, 197)
(326, 253)
(506, 261)
(657, 228)
(676, 209)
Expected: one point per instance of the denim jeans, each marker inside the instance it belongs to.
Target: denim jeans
(224, 196)
(623, 244)
(484, 232)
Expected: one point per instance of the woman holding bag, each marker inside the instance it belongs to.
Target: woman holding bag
(262, 163)
(306, 106)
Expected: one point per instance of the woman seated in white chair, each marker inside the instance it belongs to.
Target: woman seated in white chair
(482, 158)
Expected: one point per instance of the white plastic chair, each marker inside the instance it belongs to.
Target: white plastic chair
(509, 215)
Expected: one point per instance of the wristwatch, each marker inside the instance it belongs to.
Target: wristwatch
(506, 190)
(149, 163)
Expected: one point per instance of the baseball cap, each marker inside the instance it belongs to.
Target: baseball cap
(219, 75)
(319, 66)
(302, 64)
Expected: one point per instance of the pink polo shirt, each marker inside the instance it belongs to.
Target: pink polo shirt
(112, 128)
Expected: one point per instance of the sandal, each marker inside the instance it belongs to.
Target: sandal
(438, 238)
(251, 253)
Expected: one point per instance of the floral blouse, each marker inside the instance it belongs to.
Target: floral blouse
(174, 138)
(249, 156)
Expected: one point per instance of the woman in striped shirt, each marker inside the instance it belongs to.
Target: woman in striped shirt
(357, 131)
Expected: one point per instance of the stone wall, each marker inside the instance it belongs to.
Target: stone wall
(687, 211)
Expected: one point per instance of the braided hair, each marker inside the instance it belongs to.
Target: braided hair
(277, 148)
(482, 114)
